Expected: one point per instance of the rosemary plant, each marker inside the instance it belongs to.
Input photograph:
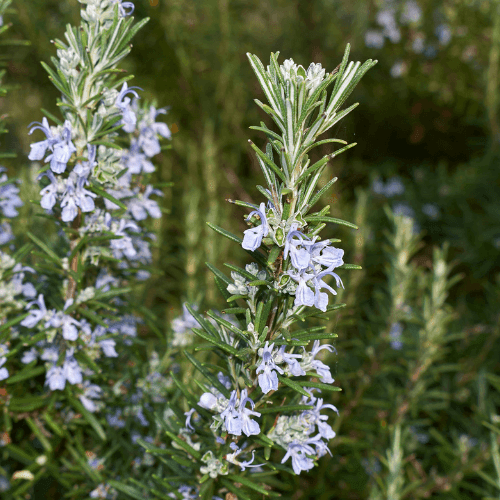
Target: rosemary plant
(96, 193)
(261, 406)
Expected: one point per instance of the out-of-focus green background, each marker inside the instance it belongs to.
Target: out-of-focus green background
(427, 115)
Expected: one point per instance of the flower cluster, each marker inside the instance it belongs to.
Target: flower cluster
(295, 434)
(310, 260)
(231, 413)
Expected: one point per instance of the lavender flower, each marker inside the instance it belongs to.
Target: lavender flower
(123, 6)
(9, 199)
(129, 118)
(76, 196)
(232, 411)
(141, 206)
(149, 130)
(3, 371)
(253, 237)
(60, 145)
(90, 393)
(299, 453)
(395, 336)
(35, 314)
(268, 379)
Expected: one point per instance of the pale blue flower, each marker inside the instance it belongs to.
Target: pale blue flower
(253, 237)
(61, 146)
(76, 196)
(49, 192)
(189, 414)
(291, 359)
(123, 6)
(29, 356)
(149, 130)
(329, 256)
(38, 149)
(71, 368)
(68, 323)
(298, 452)
(135, 161)
(9, 199)
(231, 457)
(248, 426)
(374, 39)
(35, 314)
(108, 348)
(6, 234)
(321, 298)
(395, 336)
(231, 416)
(55, 378)
(304, 296)
(51, 354)
(298, 246)
(321, 369)
(313, 417)
(411, 12)
(116, 420)
(4, 373)
(90, 392)
(141, 206)
(129, 118)
(124, 246)
(268, 379)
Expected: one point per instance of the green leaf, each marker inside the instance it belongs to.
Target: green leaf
(104, 194)
(125, 488)
(268, 162)
(228, 325)
(218, 273)
(316, 312)
(319, 385)
(287, 408)
(29, 403)
(217, 343)
(350, 266)
(206, 325)
(239, 492)
(209, 376)
(44, 247)
(293, 385)
(189, 397)
(89, 417)
(319, 194)
(238, 478)
(225, 233)
(261, 283)
(196, 454)
(222, 286)
(312, 218)
(240, 271)
(29, 371)
(273, 255)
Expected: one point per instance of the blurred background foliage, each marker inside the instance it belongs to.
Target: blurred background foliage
(427, 120)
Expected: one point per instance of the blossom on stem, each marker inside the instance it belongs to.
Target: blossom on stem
(149, 130)
(268, 379)
(61, 146)
(3, 371)
(253, 237)
(122, 6)
(35, 314)
(9, 199)
(298, 452)
(129, 119)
